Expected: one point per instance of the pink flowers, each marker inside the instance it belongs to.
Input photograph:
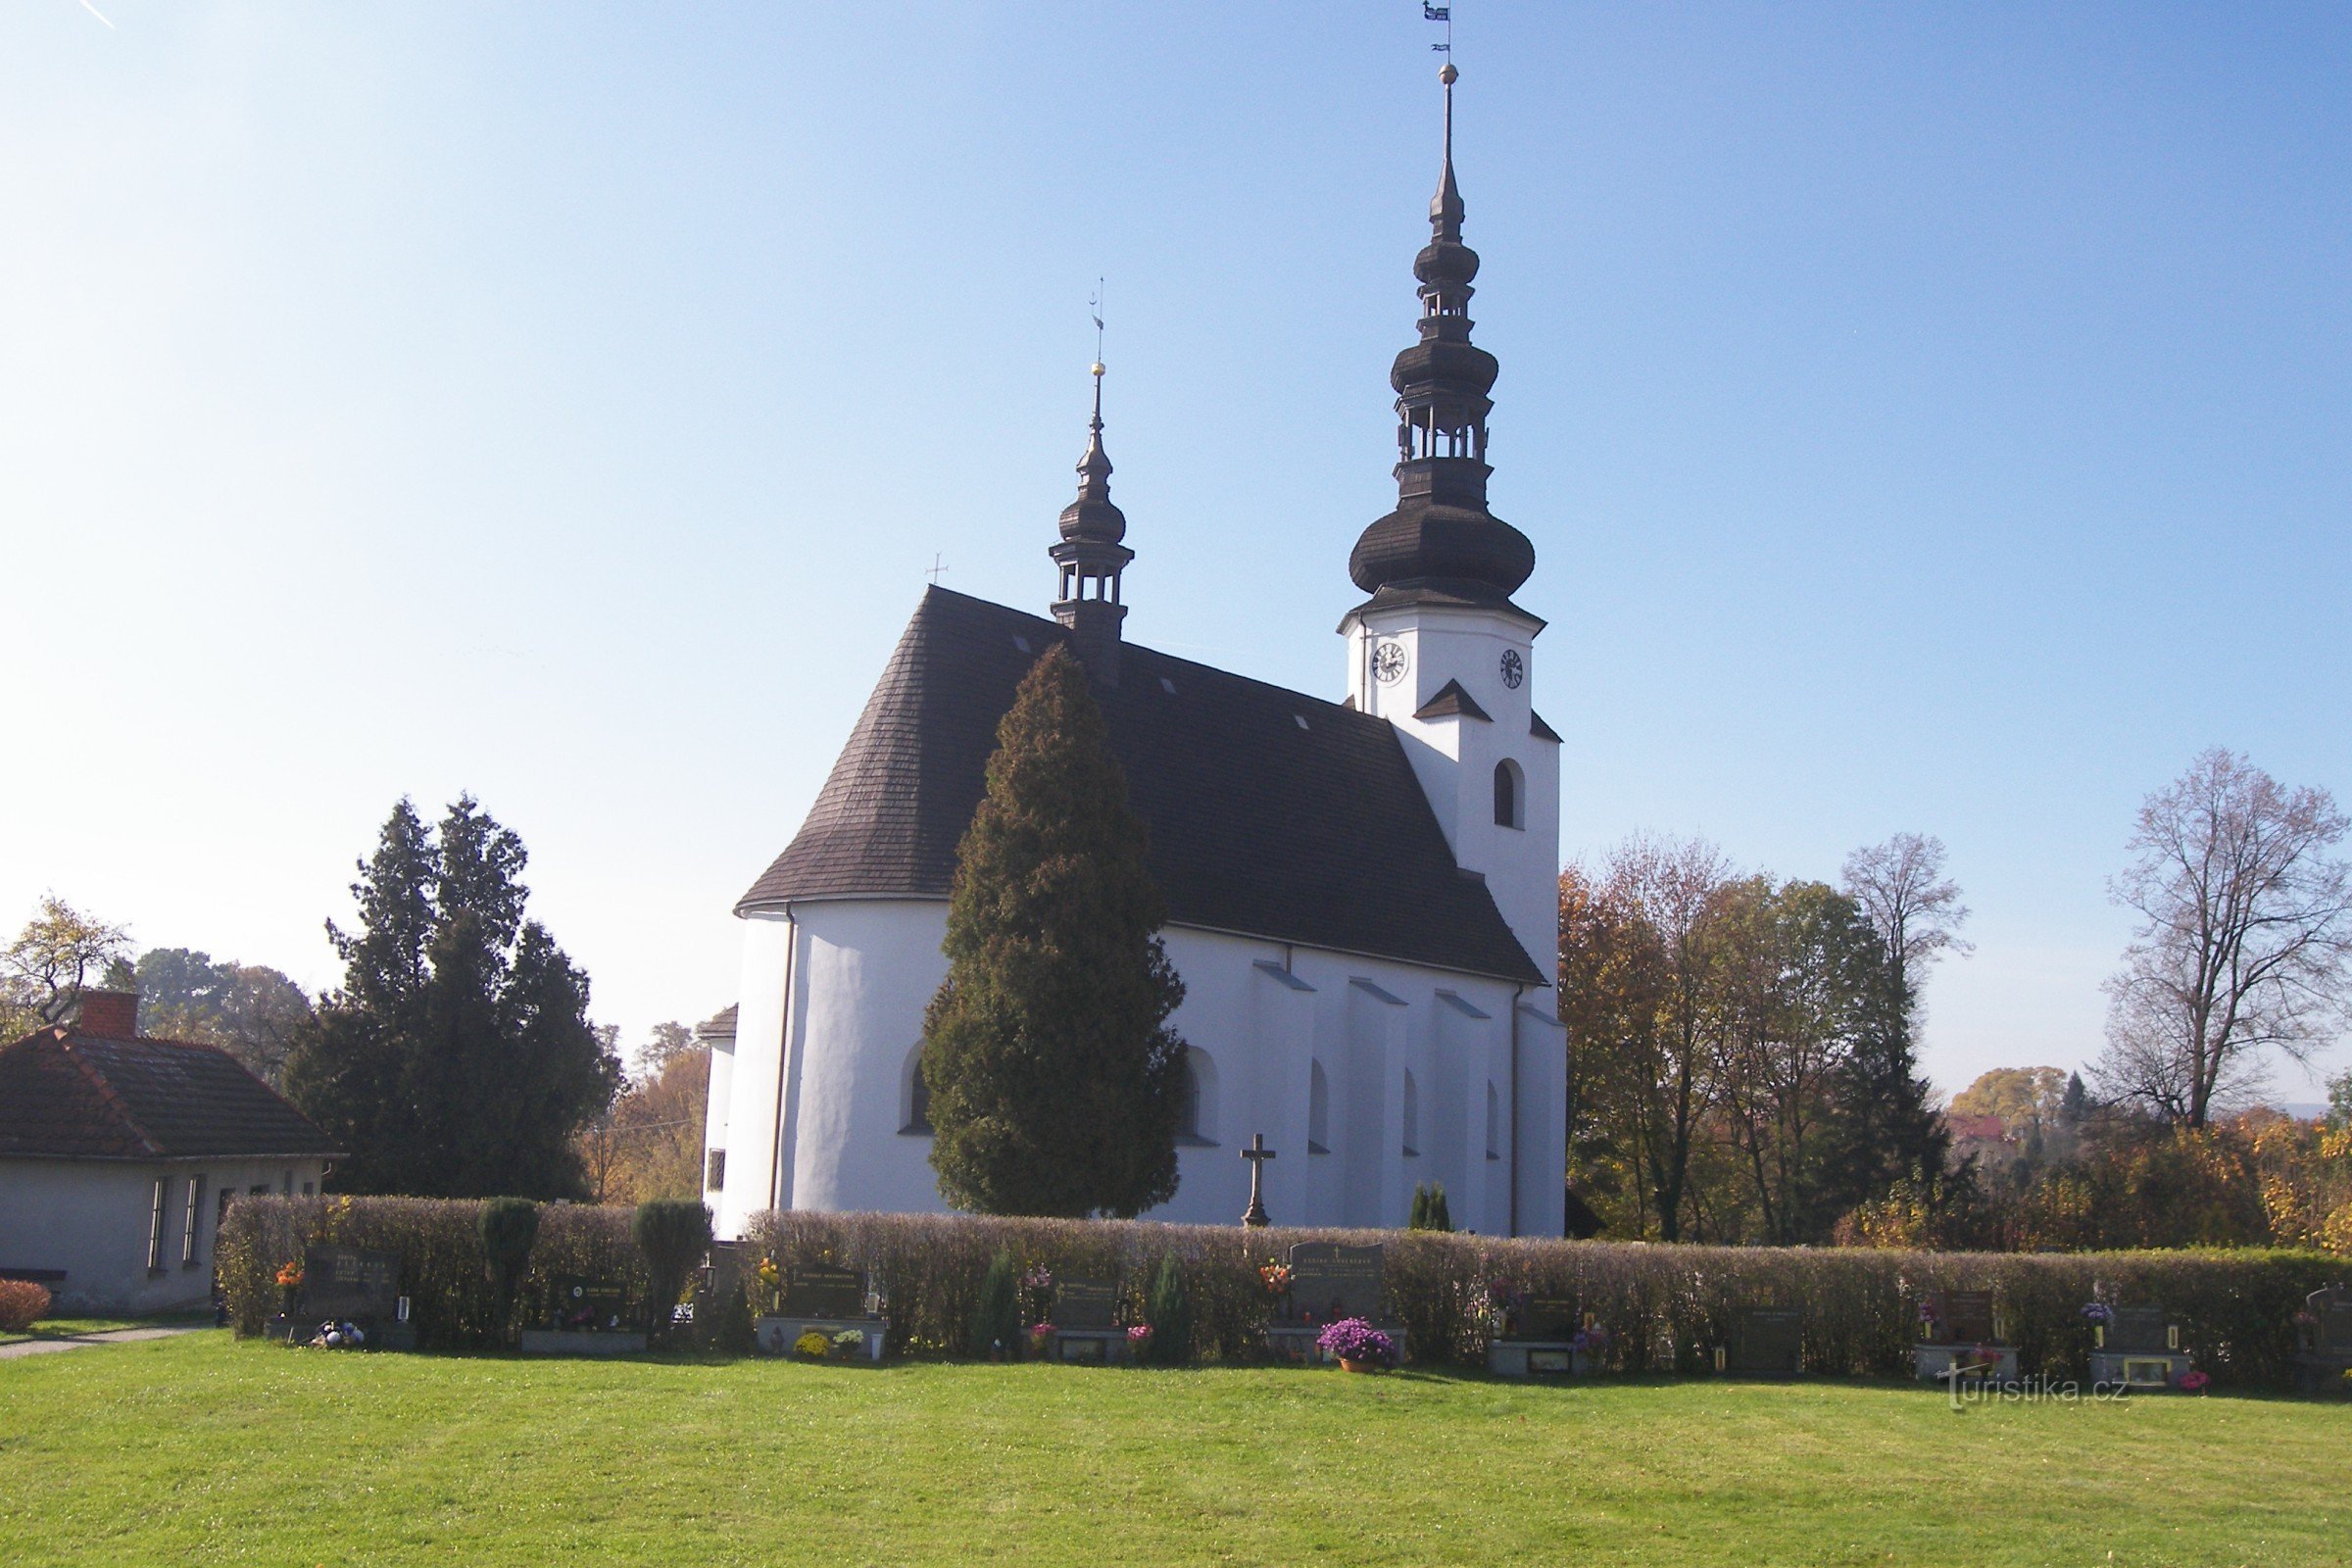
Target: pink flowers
(1138, 1335)
(2192, 1382)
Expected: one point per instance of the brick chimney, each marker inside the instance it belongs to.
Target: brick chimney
(110, 1014)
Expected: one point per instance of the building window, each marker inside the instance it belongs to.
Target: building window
(1319, 1110)
(155, 1228)
(1413, 1115)
(188, 1224)
(310, 1189)
(918, 1096)
(1510, 795)
(714, 1175)
(1197, 1099)
(1494, 1122)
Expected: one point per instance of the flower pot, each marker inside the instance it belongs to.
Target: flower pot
(1359, 1366)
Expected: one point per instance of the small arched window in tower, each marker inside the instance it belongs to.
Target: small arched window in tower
(916, 1097)
(1319, 1110)
(1413, 1115)
(1494, 1122)
(1510, 795)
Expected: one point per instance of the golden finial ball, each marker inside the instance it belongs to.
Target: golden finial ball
(1447, 74)
(1097, 367)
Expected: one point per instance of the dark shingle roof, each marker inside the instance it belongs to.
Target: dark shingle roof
(1271, 813)
(1451, 701)
(68, 1095)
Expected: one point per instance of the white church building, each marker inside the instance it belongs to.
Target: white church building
(1363, 895)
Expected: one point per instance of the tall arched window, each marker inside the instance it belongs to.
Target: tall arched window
(1510, 795)
(915, 1094)
(1494, 1122)
(1412, 1114)
(1319, 1110)
(1196, 1103)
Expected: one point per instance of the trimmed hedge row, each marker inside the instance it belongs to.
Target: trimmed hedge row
(453, 1301)
(1666, 1308)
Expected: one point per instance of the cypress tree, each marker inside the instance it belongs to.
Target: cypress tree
(1055, 1081)
(1441, 1217)
(997, 1317)
(1169, 1311)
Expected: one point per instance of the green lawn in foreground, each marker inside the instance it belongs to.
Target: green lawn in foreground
(61, 1328)
(197, 1449)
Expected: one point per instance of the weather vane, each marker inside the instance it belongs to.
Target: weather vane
(1445, 14)
(1094, 308)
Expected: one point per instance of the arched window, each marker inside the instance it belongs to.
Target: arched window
(1510, 795)
(1412, 1114)
(1319, 1110)
(1197, 1102)
(1494, 1122)
(915, 1097)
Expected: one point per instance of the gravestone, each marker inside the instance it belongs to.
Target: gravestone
(1330, 1280)
(2137, 1348)
(350, 1285)
(1766, 1341)
(2324, 1363)
(1540, 1341)
(1085, 1322)
(828, 1300)
(1962, 1341)
(585, 1316)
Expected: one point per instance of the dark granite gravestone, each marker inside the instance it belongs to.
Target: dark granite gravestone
(1330, 1280)
(2324, 1362)
(2137, 1348)
(1540, 1341)
(585, 1316)
(346, 1283)
(1085, 1322)
(1765, 1341)
(1549, 1317)
(1960, 1338)
(823, 1291)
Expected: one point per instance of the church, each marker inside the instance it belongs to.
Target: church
(1363, 895)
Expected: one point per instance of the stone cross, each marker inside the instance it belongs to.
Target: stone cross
(1258, 1153)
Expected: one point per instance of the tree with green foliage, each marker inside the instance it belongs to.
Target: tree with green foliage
(250, 1011)
(1055, 1085)
(457, 1060)
(43, 970)
(1430, 1212)
(509, 1226)
(1168, 1308)
(674, 1235)
(996, 1327)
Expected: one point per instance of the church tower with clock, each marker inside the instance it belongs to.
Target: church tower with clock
(1438, 648)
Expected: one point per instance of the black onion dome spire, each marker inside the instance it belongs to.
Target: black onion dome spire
(1442, 540)
(1092, 558)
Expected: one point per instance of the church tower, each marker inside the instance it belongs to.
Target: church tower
(1438, 648)
(1092, 558)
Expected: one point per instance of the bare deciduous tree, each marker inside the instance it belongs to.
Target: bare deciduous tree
(1901, 885)
(2246, 945)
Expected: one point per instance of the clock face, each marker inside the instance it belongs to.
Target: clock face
(1388, 662)
(1514, 668)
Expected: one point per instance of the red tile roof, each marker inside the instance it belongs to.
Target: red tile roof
(69, 1095)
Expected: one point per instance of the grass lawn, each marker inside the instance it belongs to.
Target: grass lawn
(197, 1449)
(63, 1328)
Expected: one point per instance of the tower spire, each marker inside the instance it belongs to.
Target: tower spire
(1441, 541)
(1091, 555)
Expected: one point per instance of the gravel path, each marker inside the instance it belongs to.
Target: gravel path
(74, 1342)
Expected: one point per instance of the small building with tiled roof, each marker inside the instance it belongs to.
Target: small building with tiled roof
(1362, 891)
(119, 1154)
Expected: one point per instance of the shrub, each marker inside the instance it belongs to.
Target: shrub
(508, 1226)
(1351, 1339)
(674, 1235)
(997, 1315)
(23, 1303)
(1169, 1311)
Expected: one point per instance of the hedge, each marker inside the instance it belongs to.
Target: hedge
(452, 1303)
(1665, 1307)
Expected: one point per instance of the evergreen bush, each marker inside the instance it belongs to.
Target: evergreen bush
(508, 1227)
(996, 1327)
(1169, 1311)
(1429, 1213)
(674, 1235)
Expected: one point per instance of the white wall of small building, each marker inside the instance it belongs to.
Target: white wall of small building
(816, 1116)
(92, 1218)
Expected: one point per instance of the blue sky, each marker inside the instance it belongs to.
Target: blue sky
(1928, 417)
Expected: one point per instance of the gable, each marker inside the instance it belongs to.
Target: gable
(65, 1095)
(1271, 813)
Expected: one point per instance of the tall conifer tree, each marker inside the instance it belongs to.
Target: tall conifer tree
(457, 1060)
(1055, 1081)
